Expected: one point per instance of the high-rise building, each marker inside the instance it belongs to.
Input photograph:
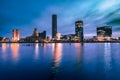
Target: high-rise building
(79, 30)
(15, 35)
(105, 30)
(54, 25)
(35, 32)
(42, 35)
(104, 33)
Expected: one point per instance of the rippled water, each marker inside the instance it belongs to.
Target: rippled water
(60, 61)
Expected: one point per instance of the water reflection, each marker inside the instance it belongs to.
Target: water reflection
(79, 58)
(79, 50)
(44, 45)
(44, 48)
(104, 61)
(15, 50)
(36, 50)
(4, 46)
(92, 61)
(107, 56)
(57, 51)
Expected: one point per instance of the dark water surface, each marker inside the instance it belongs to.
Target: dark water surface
(60, 61)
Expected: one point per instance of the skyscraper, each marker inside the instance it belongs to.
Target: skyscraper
(54, 25)
(79, 30)
(35, 32)
(15, 35)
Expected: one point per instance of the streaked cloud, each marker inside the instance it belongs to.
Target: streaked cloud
(27, 14)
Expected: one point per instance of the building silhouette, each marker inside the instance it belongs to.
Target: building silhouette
(54, 25)
(4, 39)
(79, 30)
(35, 33)
(35, 37)
(42, 35)
(15, 35)
(104, 33)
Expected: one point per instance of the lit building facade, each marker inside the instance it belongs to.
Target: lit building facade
(35, 33)
(35, 37)
(54, 25)
(3, 39)
(58, 36)
(79, 30)
(104, 33)
(15, 35)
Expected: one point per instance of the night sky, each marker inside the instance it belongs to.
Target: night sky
(25, 15)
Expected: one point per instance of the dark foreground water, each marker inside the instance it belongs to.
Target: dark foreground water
(60, 61)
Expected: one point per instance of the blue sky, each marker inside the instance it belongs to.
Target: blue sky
(28, 14)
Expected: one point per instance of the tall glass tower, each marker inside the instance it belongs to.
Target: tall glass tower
(79, 30)
(54, 25)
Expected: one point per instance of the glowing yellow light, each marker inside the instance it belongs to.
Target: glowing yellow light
(4, 46)
(15, 49)
(36, 50)
(57, 53)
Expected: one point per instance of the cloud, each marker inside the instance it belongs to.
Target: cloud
(115, 21)
(27, 14)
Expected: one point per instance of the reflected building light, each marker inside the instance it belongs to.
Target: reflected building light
(79, 50)
(79, 56)
(4, 46)
(36, 50)
(15, 49)
(57, 51)
(53, 46)
(78, 45)
(49, 45)
(44, 46)
(107, 56)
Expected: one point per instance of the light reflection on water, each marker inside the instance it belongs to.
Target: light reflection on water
(60, 61)
(15, 51)
(107, 56)
(36, 50)
(4, 46)
(57, 55)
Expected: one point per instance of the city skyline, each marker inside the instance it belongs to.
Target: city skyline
(79, 32)
(38, 14)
